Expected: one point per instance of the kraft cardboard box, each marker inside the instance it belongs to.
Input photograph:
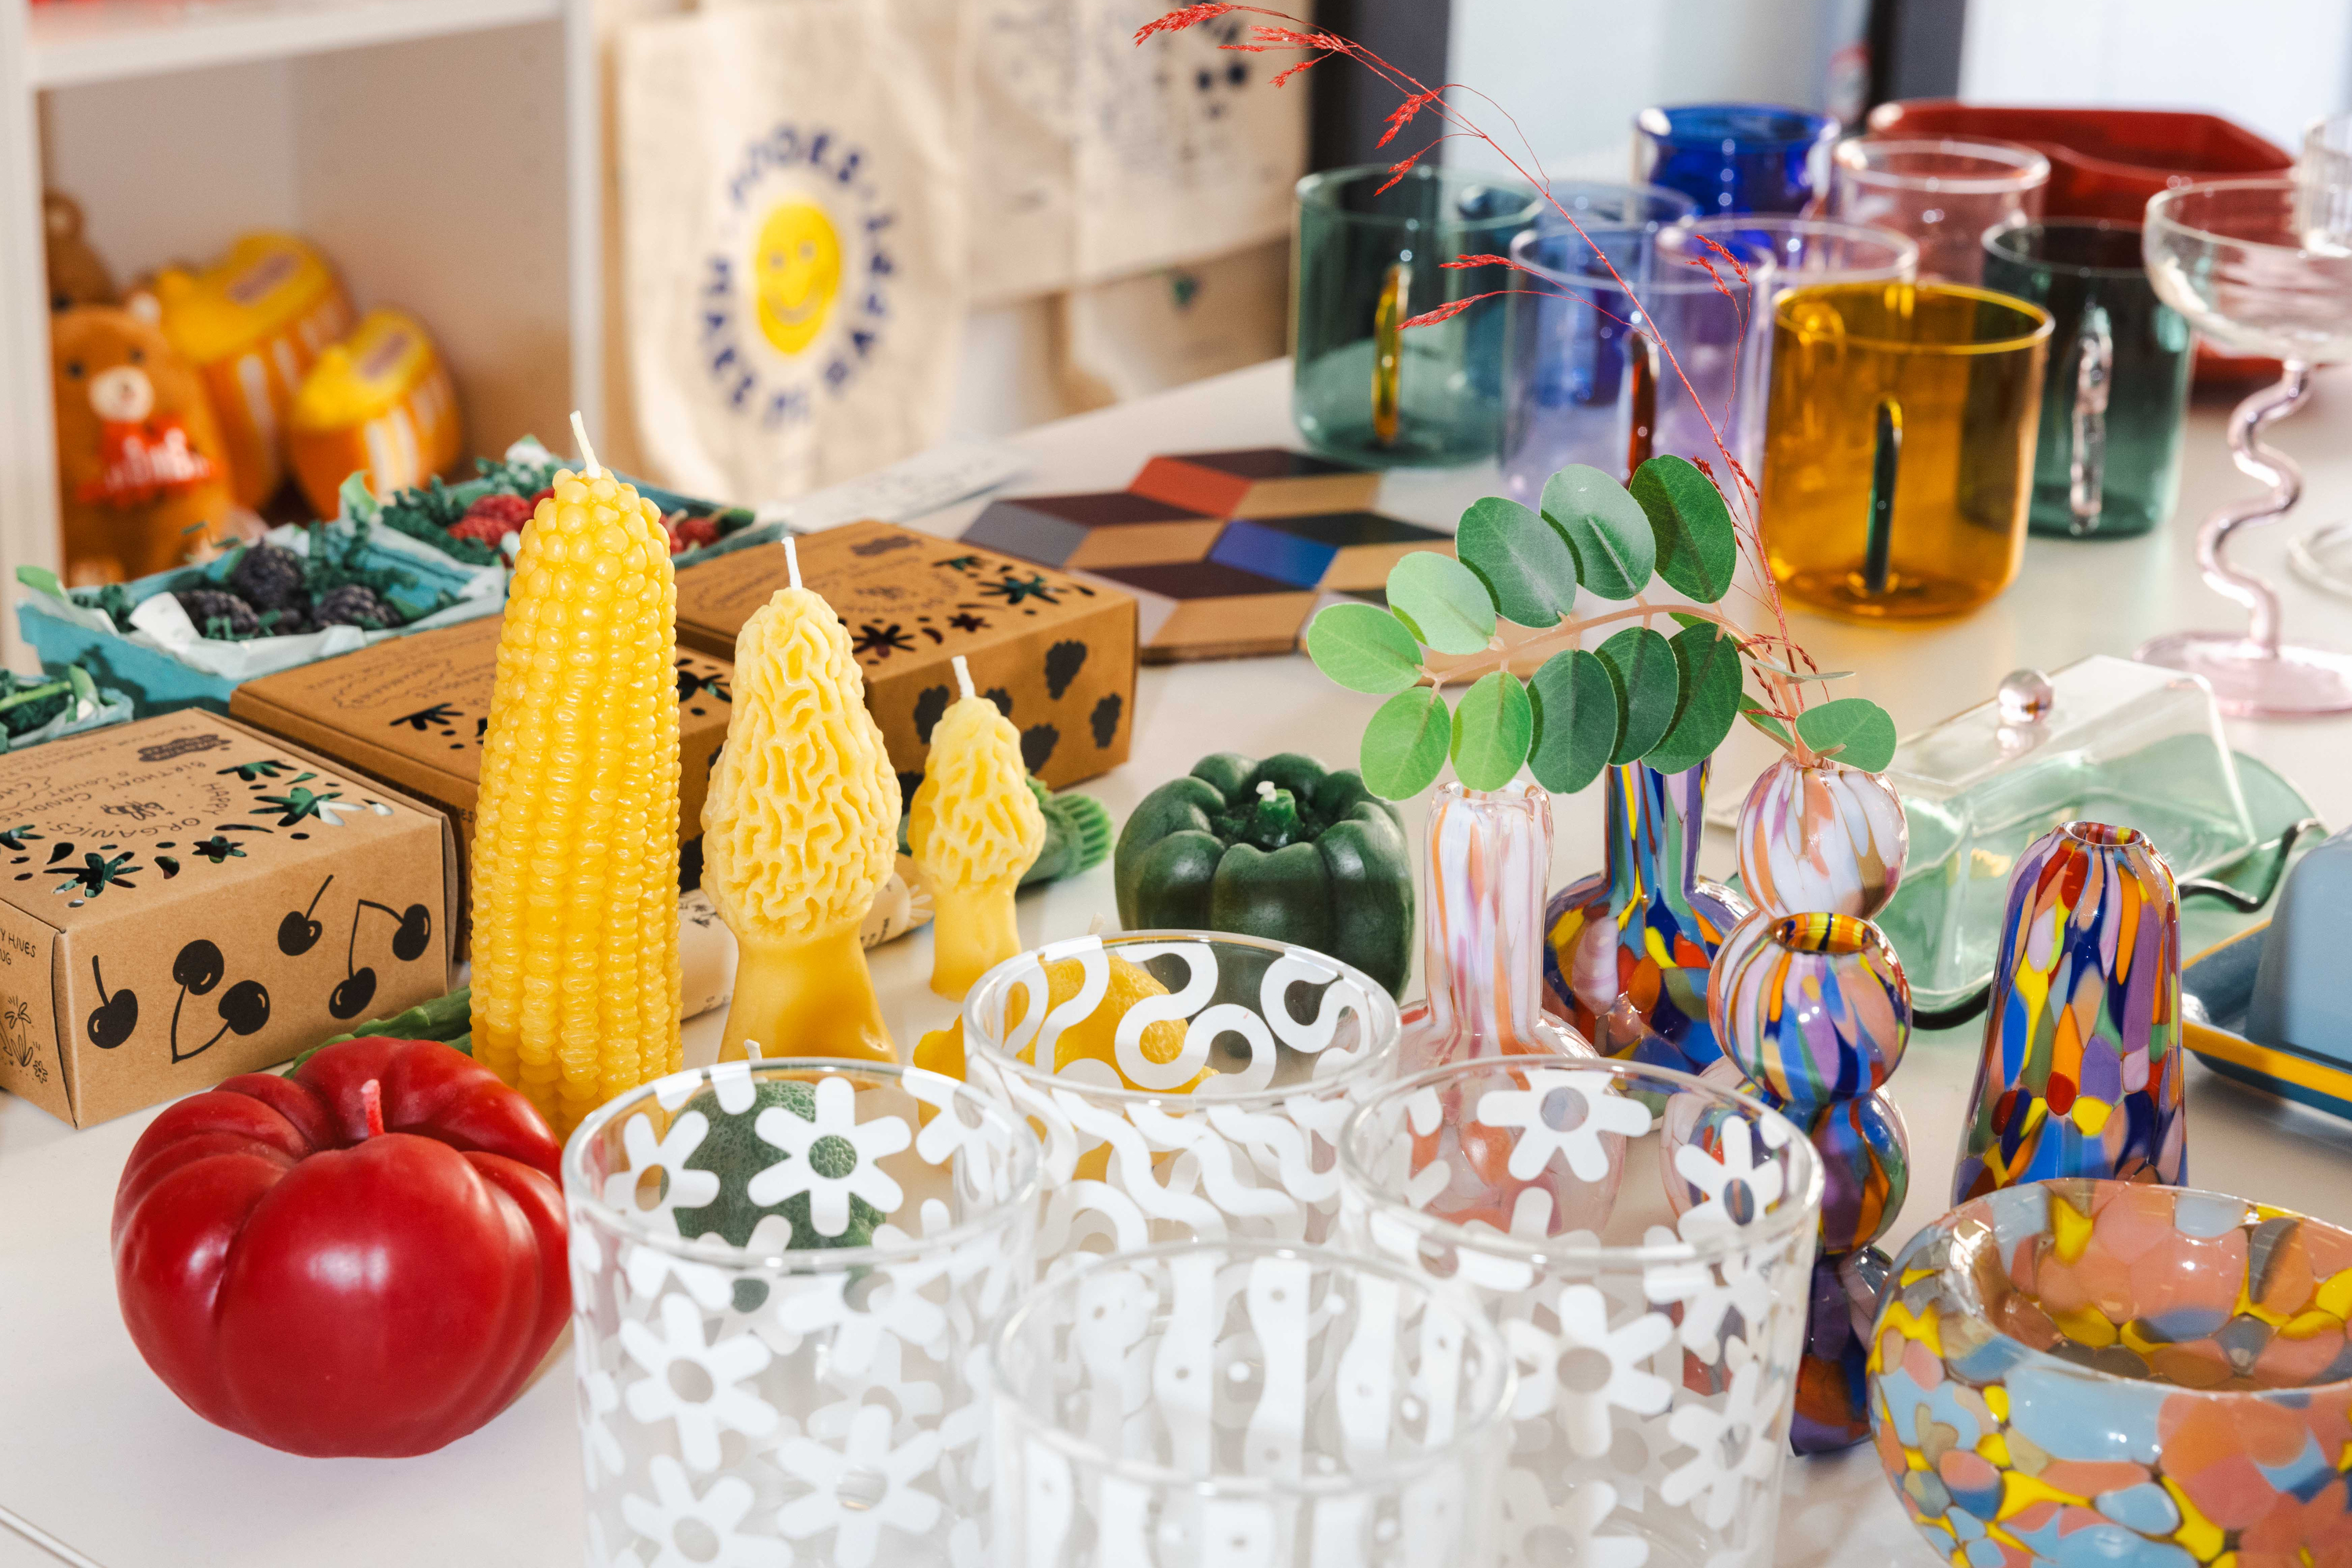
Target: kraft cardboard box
(412, 712)
(183, 899)
(1056, 653)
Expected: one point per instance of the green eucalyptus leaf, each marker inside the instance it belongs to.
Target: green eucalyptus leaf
(1405, 744)
(1363, 648)
(1854, 730)
(1706, 661)
(1529, 569)
(1699, 552)
(1685, 618)
(1643, 662)
(1441, 601)
(1615, 550)
(1758, 715)
(1579, 710)
(1492, 732)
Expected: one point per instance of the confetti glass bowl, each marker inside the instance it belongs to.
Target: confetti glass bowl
(2106, 1372)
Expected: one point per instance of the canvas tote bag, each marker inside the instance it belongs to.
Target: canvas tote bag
(794, 194)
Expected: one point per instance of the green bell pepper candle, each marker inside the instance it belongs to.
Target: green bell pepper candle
(1280, 848)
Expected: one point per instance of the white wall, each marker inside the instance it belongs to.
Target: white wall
(2272, 65)
(1573, 73)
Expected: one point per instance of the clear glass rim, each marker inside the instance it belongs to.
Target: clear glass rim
(2044, 323)
(1905, 249)
(1387, 1023)
(2027, 168)
(1319, 190)
(1796, 1214)
(1998, 237)
(1493, 1413)
(2163, 206)
(1759, 262)
(1978, 1209)
(1810, 126)
(1027, 1177)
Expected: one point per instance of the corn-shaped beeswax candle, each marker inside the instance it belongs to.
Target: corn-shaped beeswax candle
(974, 829)
(575, 838)
(800, 830)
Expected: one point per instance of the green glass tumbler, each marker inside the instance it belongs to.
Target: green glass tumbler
(2107, 463)
(1366, 387)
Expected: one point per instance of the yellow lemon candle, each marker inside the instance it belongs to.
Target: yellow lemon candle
(576, 839)
(800, 830)
(975, 829)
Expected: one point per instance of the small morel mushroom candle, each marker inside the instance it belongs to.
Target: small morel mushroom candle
(575, 842)
(800, 831)
(975, 830)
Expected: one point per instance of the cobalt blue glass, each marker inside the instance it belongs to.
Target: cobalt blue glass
(1736, 157)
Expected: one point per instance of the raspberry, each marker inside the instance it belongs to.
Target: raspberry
(492, 519)
(688, 532)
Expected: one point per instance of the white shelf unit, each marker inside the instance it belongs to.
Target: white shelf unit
(443, 153)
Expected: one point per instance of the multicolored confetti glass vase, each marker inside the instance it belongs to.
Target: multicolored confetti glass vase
(1821, 838)
(1642, 933)
(2081, 1074)
(1483, 931)
(2085, 1371)
(1815, 1011)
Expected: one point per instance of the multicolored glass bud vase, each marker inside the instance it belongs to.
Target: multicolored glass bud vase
(1815, 1011)
(1489, 853)
(1642, 933)
(2081, 1074)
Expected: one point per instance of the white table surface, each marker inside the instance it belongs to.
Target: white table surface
(98, 1452)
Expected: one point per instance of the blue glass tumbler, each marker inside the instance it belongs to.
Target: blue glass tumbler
(1565, 362)
(1736, 157)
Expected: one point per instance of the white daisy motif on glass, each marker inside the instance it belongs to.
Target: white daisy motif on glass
(1709, 1293)
(831, 1158)
(1738, 1187)
(1580, 1518)
(862, 1310)
(860, 1488)
(705, 1532)
(695, 1384)
(655, 1180)
(1567, 1113)
(599, 1451)
(1729, 1446)
(1588, 1367)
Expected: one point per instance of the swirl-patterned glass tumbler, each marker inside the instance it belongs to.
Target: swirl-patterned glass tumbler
(782, 1273)
(1212, 1110)
(2081, 1073)
(1243, 1405)
(1642, 1239)
(1627, 950)
(1815, 1011)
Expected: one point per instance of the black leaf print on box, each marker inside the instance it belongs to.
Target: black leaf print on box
(1063, 662)
(1037, 744)
(1105, 720)
(929, 706)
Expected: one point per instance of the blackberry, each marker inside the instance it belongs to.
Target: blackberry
(270, 577)
(217, 613)
(354, 604)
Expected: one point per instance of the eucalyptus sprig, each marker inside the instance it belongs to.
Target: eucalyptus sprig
(1641, 696)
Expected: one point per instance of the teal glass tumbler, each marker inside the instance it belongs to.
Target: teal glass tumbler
(1366, 387)
(2106, 464)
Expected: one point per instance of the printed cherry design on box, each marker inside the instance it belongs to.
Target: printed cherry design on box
(243, 1007)
(115, 1016)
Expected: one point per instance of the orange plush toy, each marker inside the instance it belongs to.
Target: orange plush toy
(139, 466)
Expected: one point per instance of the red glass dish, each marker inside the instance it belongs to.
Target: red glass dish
(2106, 163)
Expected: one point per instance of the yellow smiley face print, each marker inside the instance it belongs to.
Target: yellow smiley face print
(796, 271)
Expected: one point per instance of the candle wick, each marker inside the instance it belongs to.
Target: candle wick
(587, 453)
(791, 562)
(963, 676)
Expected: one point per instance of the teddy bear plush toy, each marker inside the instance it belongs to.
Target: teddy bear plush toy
(77, 274)
(144, 485)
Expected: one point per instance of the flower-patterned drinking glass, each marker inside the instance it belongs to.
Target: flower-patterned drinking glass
(1643, 1239)
(782, 1274)
(1248, 1404)
(1210, 1110)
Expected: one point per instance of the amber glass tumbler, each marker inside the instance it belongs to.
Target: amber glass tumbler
(1898, 448)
